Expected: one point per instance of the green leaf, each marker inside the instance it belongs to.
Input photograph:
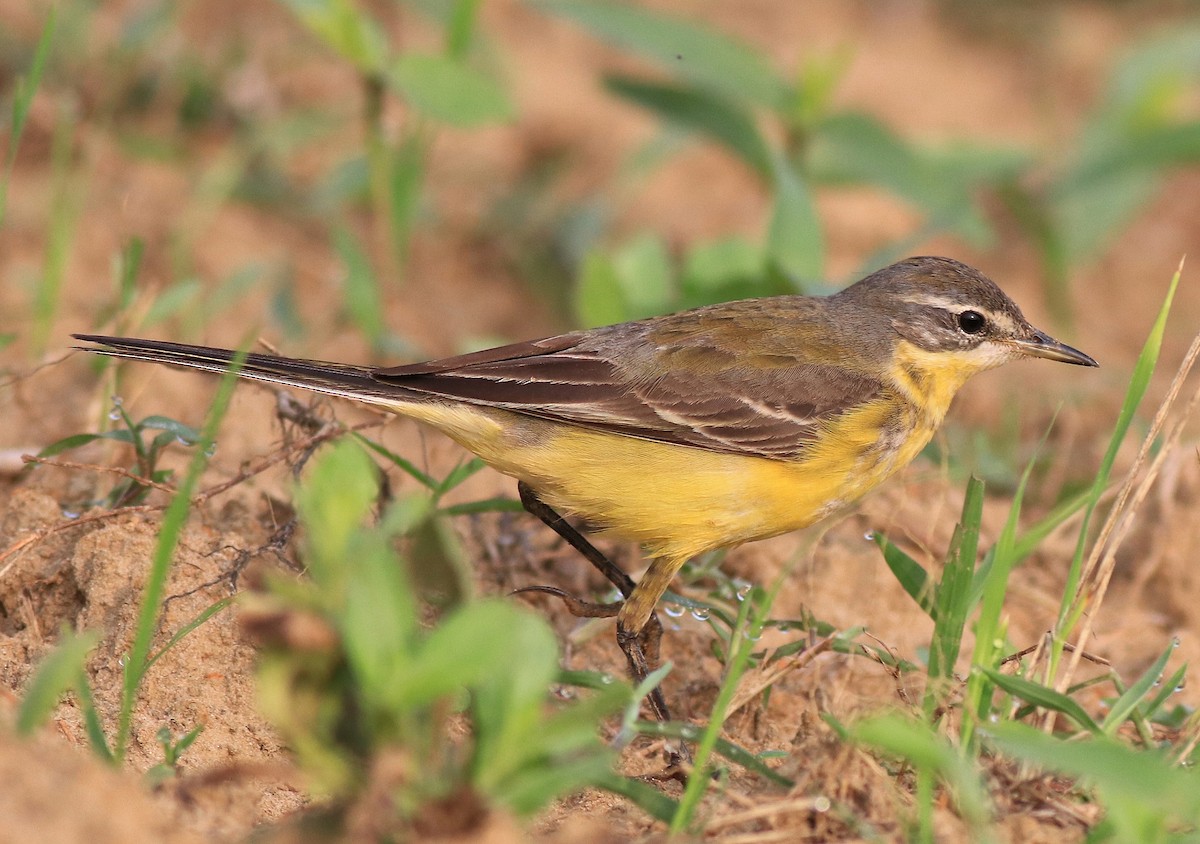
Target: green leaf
(700, 110)
(953, 602)
(694, 52)
(475, 642)
(794, 241)
(713, 271)
(646, 797)
(360, 289)
(54, 677)
(185, 434)
(920, 745)
(1124, 706)
(346, 29)
(599, 299)
(23, 94)
(734, 753)
(1042, 696)
(911, 574)
(1146, 798)
(333, 500)
(449, 90)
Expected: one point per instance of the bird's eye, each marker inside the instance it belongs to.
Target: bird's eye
(971, 322)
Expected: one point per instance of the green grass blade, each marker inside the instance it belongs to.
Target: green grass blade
(54, 677)
(204, 616)
(1042, 696)
(168, 537)
(734, 753)
(91, 719)
(911, 574)
(649, 799)
(1138, 383)
(953, 601)
(405, 465)
(989, 631)
(1124, 706)
(26, 87)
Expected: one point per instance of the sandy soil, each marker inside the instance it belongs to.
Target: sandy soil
(1025, 80)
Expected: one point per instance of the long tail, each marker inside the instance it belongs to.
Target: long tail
(335, 379)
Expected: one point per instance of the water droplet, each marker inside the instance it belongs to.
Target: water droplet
(994, 718)
(70, 514)
(673, 610)
(753, 635)
(1179, 688)
(743, 591)
(869, 536)
(1174, 641)
(210, 450)
(689, 732)
(606, 679)
(700, 613)
(822, 804)
(121, 661)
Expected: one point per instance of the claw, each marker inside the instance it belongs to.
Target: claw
(577, 608)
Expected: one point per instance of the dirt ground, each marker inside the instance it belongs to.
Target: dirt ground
(1025, 79)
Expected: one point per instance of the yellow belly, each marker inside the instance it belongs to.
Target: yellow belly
(679, 501)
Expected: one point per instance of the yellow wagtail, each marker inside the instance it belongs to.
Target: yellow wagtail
(697, 430)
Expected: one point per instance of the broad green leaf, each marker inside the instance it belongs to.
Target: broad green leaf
(722, 269)
(681, 47)
(700, 110)
(644, 275)
(449, 90)
(346, 29)
(794, 241)
(599, 299)
(1147, 799)
(474, 643)
(334, 499)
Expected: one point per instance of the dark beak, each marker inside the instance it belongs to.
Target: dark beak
(1044, 346)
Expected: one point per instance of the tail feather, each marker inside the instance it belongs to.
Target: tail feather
(336, 379)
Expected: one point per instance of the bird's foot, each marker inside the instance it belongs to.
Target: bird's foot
(577, 608)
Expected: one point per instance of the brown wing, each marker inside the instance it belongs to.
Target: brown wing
(717, 388)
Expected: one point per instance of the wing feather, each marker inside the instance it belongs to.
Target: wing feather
(639, 385)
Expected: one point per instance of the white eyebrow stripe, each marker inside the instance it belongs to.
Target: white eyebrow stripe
(998, 318)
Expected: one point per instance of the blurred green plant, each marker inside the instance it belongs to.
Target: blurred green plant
(716, 88)
(23, 91)
(436, 88)
(1144, 126)
(724, 91)
(366, 682)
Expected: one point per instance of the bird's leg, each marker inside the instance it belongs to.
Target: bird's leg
(575, 539)
(641, 644)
